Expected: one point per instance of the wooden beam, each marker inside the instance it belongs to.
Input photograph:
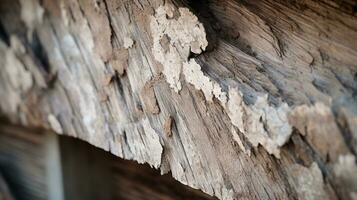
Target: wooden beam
(262, 93)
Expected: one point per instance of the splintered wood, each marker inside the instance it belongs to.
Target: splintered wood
(168, 126)
(240, 100)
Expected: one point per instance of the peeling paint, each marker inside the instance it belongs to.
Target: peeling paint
(235, 108)
(185, 34)
(174, 39)
(128, 42)
(194, 75)
(177, 32)
(260, 123)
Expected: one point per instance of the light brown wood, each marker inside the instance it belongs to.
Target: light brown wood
(264, 105)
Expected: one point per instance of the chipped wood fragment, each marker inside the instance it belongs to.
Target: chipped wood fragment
(239, 142)
(54, 124)
(168, 126)
(153, 145)
(108, 79)
(326, 140)
(97, 17)
(149, 98)
(119, 61)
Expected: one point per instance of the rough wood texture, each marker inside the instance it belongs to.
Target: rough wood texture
(265, 108)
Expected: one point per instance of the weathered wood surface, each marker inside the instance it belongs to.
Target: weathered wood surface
(266, 111)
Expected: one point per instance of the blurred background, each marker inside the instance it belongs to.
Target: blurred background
(37, 164)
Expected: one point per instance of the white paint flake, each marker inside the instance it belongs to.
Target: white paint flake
(128, 42)
(174, 38)
(185, 34)
(260, 123)
(235, 109)
(194, 75)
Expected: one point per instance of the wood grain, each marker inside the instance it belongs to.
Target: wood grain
(302, 53)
